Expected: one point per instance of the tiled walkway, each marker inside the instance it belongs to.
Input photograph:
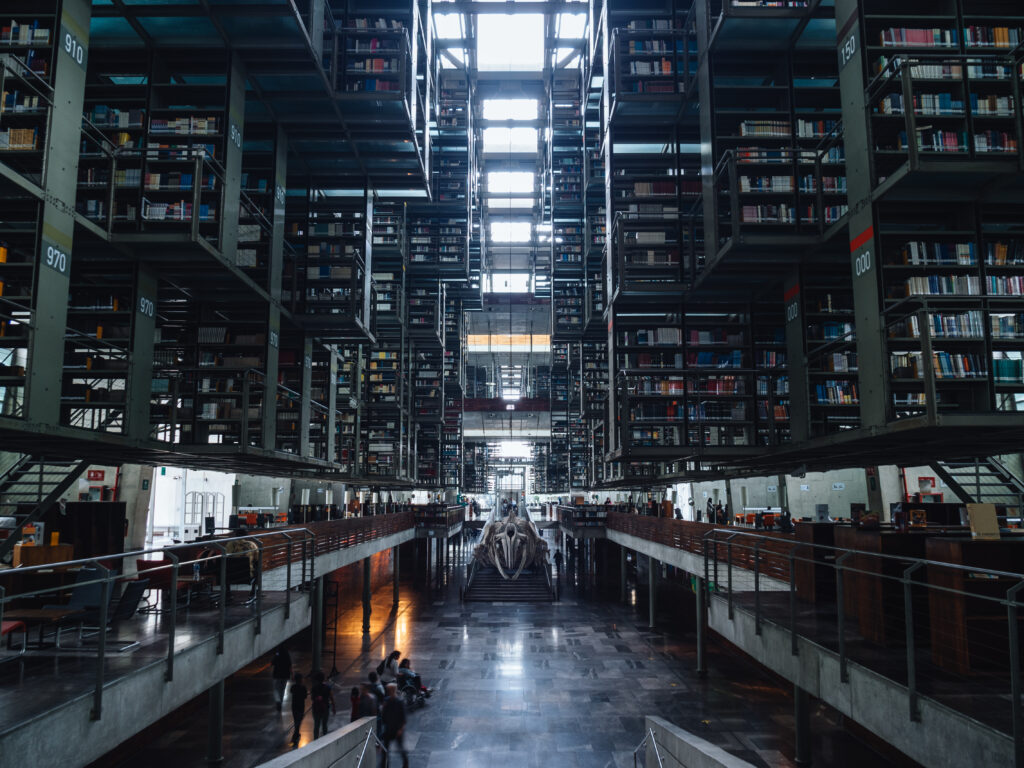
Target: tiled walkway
(522, 685)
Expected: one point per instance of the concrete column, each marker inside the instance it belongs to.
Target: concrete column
(415, 558)
(429, 545)
(652, 579)
(702, 628)
(802, 720)
(215, 723)
(394, 568)
(366, 594)
(317, 624)
(622, 574)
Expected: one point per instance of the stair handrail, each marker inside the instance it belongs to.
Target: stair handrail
(648, 738)
(470, 575)
(552, 588)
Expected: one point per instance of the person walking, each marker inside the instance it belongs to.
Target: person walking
(394, 723)
(558, 561)
(299, 694)
(323, 704)
(281, 670)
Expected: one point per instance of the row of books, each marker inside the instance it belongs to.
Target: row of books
(652, 337)
(191, 125)
(18, 101)
(920, 253)
(24, 32)
(947, 365)
(836, 392)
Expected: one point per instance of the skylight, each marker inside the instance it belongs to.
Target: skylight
(505, 203)
(510, 109)
(502, 139)
(507, 42)
(572, 25)
(509, 182)
(511, 231)
(448, 25)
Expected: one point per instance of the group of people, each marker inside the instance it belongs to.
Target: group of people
(378, 697)
(320, 694)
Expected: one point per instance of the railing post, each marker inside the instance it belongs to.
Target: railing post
(1015, 703)
(171, 629)
(101, 645)
(757, 587)
(728, 556)
(844, 675)
(288, 577)
(224, 591)
(793, 647)
(714, 561)
(702, 632)
(259, 586)
(908, 617)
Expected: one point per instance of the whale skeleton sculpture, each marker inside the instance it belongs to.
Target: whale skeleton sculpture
(511, 544)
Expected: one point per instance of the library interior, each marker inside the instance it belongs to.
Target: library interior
(647, 375)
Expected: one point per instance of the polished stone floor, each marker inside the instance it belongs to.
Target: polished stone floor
(521, 685)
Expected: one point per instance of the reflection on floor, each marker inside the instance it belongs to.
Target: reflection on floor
(524, 685)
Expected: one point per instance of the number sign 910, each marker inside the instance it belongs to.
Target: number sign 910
(73, 48)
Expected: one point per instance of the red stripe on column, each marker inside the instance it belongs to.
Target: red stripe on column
(862, 238)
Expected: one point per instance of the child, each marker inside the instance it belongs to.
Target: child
(353, 697)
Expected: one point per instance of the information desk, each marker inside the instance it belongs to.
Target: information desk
(971, 633)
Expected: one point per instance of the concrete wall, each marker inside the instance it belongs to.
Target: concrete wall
(142, 697)
(681, 748)
(837, 488)
(338, 749)
(942, 736)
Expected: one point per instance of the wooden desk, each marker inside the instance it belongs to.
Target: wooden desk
(815, 571)
(33, 555)
(875, 595)
(968, 633)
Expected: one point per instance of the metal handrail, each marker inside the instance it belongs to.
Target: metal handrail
(648, 738)
(362, 754)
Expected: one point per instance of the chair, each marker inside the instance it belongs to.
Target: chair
(127, 606)
(161, 576)
(86, 595)
(8, 628)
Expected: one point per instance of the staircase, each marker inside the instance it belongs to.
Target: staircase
(982, 481)
(489, 587)
(29, 487)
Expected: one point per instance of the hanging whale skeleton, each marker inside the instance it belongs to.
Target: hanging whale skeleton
(511, 544)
